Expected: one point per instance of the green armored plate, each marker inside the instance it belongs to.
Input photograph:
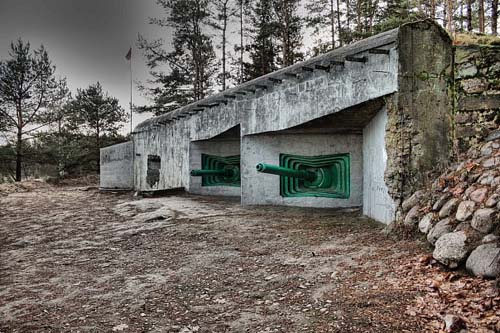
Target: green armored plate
(333, 176)
(213, 162)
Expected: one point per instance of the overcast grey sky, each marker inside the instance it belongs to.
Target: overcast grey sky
(86, 39)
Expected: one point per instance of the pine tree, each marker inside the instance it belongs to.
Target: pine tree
(461, 16)
(288, 31)
(481, 16)
(29, 91)
(469, 15)
(395, 13)
(366, 12)
(449, 16)
(494, 17)
(224, 10)
(262, 50)
(339, 23)
(239, 63)
(323, 15)
(96, 114)
(192, 61)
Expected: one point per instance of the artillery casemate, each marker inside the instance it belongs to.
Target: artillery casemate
(312, 176)
(226, 172)
(218, 170)
(280, 171)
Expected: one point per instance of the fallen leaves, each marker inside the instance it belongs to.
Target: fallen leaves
(452, 301)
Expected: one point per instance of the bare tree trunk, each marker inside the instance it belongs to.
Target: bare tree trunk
(461, 16)
(359, 25)
(98, 144)
(224, 28)
(60, 162)
(348, 11)
(332, 18)
(338, 22)
(19, 144)
(469, 15)
(241, 42)
(494, 17)
(367, 15)
(19, 141)
(433, 9)
(196, 56)
(481, 16)
(449, 22)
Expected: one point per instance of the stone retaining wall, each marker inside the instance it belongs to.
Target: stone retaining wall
(477, 78)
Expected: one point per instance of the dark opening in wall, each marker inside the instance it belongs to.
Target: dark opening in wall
(153, 174)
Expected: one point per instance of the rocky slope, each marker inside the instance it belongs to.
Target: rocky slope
(460, 212)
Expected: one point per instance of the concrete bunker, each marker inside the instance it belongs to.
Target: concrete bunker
(377, 108)
(219, 154)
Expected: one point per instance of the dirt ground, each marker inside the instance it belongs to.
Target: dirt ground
(76, 260)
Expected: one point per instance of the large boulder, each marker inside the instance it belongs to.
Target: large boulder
(412, 217)
(425, 223)
(492, 200)
(474, 86)
(484, 261)
(441, 228)
(491, 162)
(449, 207)
(412, 201)
(441, 201)
(452, 248)
(465, 210)
(487, 149)
(490, 238)
(484, 219)
(479, 195)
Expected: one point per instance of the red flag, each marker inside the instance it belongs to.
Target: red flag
(129, 54)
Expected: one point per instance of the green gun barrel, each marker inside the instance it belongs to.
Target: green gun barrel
(287, 172)
(212, 172)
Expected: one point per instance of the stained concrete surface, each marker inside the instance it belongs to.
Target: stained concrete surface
(377, 203)
(117, 166)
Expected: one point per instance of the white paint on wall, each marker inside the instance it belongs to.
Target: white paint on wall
(377, 203)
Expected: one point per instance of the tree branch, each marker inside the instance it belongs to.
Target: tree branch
(40, 101)
(38, 127)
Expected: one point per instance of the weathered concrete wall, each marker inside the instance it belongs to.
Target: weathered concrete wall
(219, 147)
(377, 203)
(477, 111)
(117, 166)
(171, 143)
(321, 93)
(418, 136)
(264, 189)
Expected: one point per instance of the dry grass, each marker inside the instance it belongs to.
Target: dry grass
(475, 39)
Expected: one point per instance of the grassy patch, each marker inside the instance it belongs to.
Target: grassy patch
(476, 39)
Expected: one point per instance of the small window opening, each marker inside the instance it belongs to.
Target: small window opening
(153, 173)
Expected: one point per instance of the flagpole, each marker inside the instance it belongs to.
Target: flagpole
(131, 93)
